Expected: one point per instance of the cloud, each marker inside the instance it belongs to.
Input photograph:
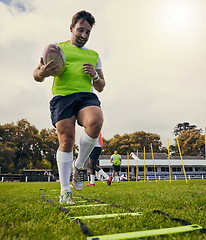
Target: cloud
(155, 71)
(7, 2)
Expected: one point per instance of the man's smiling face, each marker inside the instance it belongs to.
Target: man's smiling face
(80, 33)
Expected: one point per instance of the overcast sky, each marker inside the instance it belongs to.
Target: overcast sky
(153, 55)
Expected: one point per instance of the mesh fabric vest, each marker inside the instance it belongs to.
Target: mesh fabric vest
(73, 79)
(116, 158)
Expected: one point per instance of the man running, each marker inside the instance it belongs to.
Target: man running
(93, 158)
(116, 160)
(74, 101)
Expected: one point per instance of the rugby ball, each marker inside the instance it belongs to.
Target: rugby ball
(54, 52)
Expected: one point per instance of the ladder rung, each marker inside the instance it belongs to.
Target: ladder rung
(107, 216)
(148, 233)
(90, 205)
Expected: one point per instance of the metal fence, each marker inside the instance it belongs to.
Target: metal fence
(150, 176)
(24, 178)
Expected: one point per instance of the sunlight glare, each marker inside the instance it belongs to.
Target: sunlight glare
(179, 17)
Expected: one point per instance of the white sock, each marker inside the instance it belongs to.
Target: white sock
(92, 178)
(118, 179)
(104, 174)
(86, 146)
(64, 163)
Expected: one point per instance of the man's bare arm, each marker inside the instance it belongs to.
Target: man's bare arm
(99, 83)
(46, 70)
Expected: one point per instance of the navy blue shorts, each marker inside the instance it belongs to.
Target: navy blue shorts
(94, 155)
(116, 168)
(62, 107)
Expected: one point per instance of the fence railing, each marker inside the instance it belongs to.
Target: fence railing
(24, 178)
(150, 176)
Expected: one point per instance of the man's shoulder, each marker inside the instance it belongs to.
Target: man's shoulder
(64, 43)
(67, 42)
(92, 51)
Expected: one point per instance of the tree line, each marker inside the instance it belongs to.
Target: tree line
(23, 146)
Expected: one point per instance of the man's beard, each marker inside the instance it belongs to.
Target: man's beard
(80, 42)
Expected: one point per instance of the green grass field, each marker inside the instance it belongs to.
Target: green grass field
(24, 215)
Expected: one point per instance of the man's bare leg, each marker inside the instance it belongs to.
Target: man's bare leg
(91, 118)
(66, 136)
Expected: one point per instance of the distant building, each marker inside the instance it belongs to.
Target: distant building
(39, 175)
(195, 166)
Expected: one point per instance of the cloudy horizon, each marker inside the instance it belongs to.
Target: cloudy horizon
(153, 55)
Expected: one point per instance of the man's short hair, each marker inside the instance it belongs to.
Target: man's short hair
(86, 16)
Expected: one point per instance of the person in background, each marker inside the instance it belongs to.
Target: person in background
(116, 160)
(93, 158)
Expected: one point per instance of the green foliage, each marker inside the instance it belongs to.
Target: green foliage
(7, 154)
(49, 145)
(24, 215)
(44, 164)
(180, 127)
(192, 143)
(26, 142)
(23, 146)
(132, 142)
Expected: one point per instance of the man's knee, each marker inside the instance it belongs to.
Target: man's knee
(95, 123)
(66, 142)
(66, 134)
(93, 128)
(92, 119)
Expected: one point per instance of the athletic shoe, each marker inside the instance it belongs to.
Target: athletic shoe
(78, 178)
(90, 184)
(109, 181)
(66, 197)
